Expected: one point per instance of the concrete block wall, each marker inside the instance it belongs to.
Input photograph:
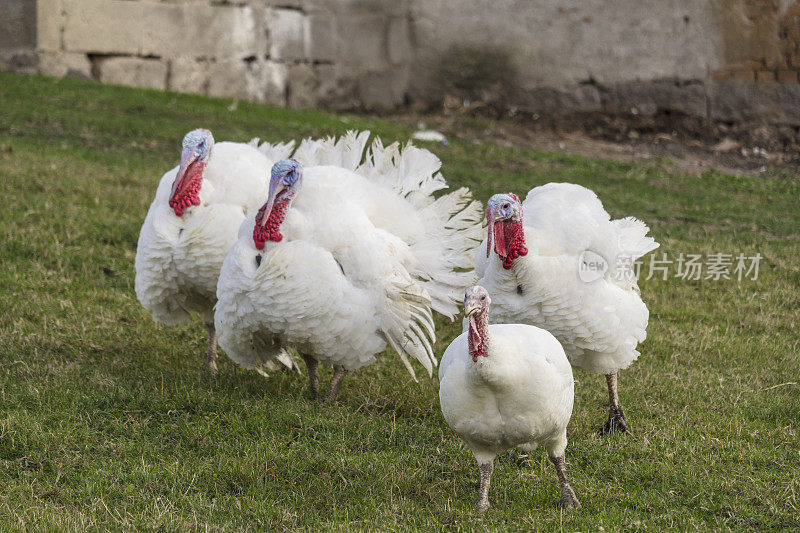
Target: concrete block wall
(295, 53)
(18, 35)
(724, 60)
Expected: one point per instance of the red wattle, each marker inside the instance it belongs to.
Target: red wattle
(477, 336)
(187, 193)
(510, 242)
(271, 230)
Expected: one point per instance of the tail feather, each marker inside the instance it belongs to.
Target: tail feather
(411, 172)
(275, 152)
(408, 325)
(454, 228)
(633, 239)
(347, 151)
(452, 222)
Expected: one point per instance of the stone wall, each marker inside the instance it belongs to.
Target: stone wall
(18, 34)
(336, 54)
(724, 60)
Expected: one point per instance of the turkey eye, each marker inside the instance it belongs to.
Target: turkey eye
(483, 297)
(506, 206)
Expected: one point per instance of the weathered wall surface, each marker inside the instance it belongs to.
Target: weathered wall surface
(18, 34)
(556, 44)
(727, 60)
(299, 53)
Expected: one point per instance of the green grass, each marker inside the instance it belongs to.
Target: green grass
(107, 421)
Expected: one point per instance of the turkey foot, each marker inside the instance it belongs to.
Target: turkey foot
(339, 373)
(568, 498)
(616, 421)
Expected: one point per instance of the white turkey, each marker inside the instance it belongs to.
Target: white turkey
(558, 261)
(506, 386)
(192, 223)
(345, 258)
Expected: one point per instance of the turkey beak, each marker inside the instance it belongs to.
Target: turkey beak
(187, 158)
(470, 309)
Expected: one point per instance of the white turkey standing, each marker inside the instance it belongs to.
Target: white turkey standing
(192, 223)
(532, 267)
(345, 258)
(506, 386)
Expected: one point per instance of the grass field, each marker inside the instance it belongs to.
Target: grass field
(107, 420)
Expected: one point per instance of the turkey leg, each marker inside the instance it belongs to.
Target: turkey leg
(616, 418)
(568, 498)
(313, 375)
(485, 470)
(339, 373)
(211, 353)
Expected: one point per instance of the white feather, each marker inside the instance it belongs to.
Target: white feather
(274, 152)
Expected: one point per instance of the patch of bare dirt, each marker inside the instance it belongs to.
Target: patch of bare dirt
(691, 144)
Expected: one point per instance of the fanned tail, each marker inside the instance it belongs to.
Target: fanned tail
(452, 222)
(632, 243)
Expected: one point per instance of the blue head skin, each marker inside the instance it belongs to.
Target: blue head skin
(197, 145)
(499, 208)
(504, 207)
(285, 181)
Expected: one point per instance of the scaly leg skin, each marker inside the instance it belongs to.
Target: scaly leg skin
(333, 389)
(485, 470)
(313, 375)
(211, 354)
(616, 418)
(568, 498)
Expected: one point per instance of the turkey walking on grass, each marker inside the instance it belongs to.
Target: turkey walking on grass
(506, 386)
